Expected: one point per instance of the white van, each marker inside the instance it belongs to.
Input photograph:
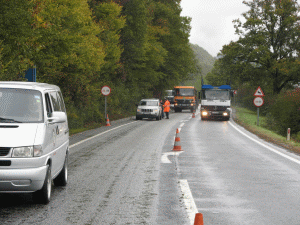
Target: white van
(34, 139)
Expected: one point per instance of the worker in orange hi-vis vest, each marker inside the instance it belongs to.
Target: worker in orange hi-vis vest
(167, 108)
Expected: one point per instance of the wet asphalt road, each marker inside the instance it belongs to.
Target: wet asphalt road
(237, 178)
(119, 177)
(114, 178)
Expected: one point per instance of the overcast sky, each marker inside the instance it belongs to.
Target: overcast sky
(212, 25)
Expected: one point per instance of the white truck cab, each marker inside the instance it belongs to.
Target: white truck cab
(215, 102)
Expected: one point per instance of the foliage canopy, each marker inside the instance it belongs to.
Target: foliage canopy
(267, 51)
(138, 47)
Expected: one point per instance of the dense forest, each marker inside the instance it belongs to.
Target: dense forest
(137, 47)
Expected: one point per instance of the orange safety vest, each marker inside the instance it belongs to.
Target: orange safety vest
(167, 106)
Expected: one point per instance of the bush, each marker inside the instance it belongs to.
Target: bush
(245, 97)
(285, 113)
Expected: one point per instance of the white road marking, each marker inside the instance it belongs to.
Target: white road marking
(165, 159)
(188, 200)
(97, 135)
(266, 146)
(180, 126)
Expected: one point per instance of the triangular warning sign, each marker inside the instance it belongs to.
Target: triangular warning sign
(259, 92)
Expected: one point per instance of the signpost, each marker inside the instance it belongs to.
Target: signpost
(234, 94)
(30, 75)
(258, 101)
(105, 90)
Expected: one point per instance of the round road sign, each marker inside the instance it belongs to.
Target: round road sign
(258, 101)
(105, 90)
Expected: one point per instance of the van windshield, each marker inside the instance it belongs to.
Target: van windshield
(20, 106)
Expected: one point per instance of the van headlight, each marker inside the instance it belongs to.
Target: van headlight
(27, 152)
(225, 114)
(204, 113)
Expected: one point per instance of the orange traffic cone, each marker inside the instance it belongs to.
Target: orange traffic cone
(107, 121)
(198, 219)
(177, 146)
(193, 115)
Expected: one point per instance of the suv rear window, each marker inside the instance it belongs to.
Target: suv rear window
(148, 103)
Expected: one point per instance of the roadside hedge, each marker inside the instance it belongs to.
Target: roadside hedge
(284, 113)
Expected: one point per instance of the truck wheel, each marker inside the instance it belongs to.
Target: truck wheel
(62, 178)
(43, 196)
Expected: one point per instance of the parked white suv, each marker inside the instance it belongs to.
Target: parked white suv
(34, 142)
(149, 108)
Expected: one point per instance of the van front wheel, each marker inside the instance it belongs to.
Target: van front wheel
(62, 178)
(43, 196)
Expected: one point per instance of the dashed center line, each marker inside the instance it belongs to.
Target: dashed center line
(188, 200)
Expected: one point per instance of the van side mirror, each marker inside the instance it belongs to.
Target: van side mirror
(57, 117)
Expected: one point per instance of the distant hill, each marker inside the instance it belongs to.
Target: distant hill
(205, 61)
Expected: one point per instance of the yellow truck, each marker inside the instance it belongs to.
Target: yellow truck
(185, 97)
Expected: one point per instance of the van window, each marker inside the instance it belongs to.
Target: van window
(55, 101)
(21, 105)
(48, 105)
(61, 102)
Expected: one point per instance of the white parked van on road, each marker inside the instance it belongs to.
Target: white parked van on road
(34, 139)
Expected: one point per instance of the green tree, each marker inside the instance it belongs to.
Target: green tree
(15, 38)
(143, 52)
(217, 76)
(69, 53)
(108, 16)
(156, 52)
(180, 63)
(268, 47)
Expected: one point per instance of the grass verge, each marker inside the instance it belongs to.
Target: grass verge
(248, 119)
(93, 125)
